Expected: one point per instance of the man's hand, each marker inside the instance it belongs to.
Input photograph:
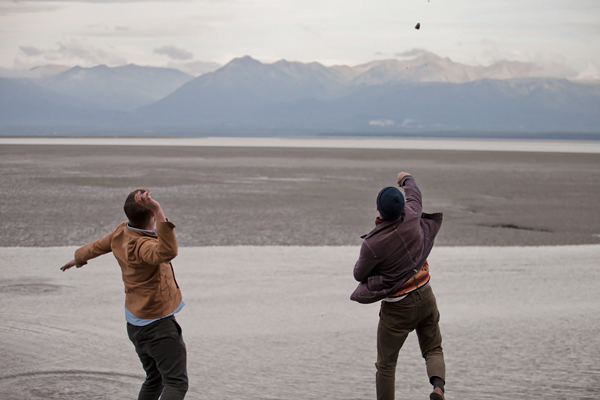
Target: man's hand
(147, 201)
(401, 176)
(70, 264)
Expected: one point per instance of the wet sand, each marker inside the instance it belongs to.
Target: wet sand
(272, 319)
(264, 322)
(54, 195)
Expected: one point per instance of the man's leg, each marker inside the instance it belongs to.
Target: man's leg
(395, 323)
(168, 350)
(152, 387)
(163, 343)
(430, 340)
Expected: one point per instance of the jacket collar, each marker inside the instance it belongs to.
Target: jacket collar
(384, 225)
(142, 230)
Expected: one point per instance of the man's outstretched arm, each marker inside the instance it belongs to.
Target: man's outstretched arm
(70, 264)
(412, 193)
(89, 251)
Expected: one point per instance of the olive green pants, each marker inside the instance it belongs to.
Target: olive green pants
(419, 312)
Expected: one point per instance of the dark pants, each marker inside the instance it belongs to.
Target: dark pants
(162, 352)
(418, 311)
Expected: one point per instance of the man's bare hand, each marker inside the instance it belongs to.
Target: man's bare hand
(145, 199)
(401, 176)
(70, 264)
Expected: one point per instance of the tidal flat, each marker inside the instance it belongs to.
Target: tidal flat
(268, 238)
(54, 195)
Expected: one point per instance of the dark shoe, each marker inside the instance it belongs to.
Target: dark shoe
(437, 394)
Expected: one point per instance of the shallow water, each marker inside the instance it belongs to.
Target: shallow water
(277, 323)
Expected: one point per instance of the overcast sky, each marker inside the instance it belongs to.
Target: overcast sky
(187, 33)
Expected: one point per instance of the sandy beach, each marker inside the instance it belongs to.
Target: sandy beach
(268, 237)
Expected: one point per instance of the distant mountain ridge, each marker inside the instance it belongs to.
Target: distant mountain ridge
(118, 89)
(24, 103)
(429, 67)
(419, 95)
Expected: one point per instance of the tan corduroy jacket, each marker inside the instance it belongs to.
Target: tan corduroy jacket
(151, 290)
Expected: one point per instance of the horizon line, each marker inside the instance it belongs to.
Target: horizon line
(455, 144)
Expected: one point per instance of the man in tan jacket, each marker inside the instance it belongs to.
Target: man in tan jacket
(144, 247)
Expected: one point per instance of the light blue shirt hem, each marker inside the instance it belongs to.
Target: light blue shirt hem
(133, 320)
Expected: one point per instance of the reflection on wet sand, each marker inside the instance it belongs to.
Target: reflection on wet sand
(277, 323)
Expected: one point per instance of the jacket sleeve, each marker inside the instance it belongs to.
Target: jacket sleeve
(367, 261)
(414, 203)
(94, 249)
(159, 251)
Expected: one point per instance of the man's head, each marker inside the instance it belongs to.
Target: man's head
(138, 215)
(390, 203)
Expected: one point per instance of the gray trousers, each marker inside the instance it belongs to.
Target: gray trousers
(162, 352)
(418, 311)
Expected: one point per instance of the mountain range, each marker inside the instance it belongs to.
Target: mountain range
(422, 95)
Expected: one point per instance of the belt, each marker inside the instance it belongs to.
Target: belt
(420, 288)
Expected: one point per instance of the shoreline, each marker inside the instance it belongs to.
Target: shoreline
(458, 144)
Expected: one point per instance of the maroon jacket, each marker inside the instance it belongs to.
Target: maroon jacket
(395, 250)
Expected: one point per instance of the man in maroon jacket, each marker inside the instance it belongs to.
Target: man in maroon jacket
(393, 267)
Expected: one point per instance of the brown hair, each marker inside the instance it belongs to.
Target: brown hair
(138, 215)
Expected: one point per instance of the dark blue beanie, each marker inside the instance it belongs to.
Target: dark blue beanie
(390, 203)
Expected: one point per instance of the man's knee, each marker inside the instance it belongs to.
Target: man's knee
(385, 369)
(179, 382)
(175, 390)
(183, 386)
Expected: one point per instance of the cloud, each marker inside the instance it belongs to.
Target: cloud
(119, 1)
(407, 122)
(89, 54)
(381, 122)
(31, 51)
(7, 8)
(99, 1)
(174, 53)
(490, 51)
(32, 73)
(73, 52)
(34, 6)
(592, 72)
(195, 68)
(412, 53)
